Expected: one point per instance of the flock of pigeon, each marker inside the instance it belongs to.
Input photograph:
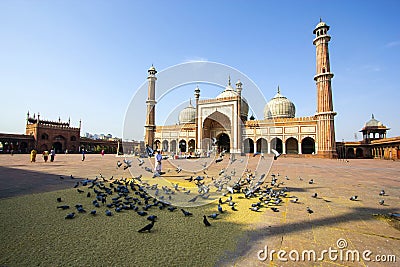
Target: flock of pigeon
(119, 195)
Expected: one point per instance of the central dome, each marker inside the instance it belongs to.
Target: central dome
(279, 107)
(230, 92)
(188, 114)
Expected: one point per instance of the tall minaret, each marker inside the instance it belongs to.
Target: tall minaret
(326, 144)
(151, 110)
(239, 116)
(198, 135)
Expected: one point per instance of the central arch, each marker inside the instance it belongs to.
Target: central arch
(217, 126)
(224, 142)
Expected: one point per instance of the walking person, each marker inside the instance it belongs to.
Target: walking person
(33, 155)
(158, 162)
(45, 155)
(52, 154)
(83, 154)
(102, 152)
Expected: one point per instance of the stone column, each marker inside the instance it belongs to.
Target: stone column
(299, 147)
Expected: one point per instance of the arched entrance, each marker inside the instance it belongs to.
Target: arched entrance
(173, 146)
(308, 146)
(217, 126)
(157, 144)
(276, 144)
(350, 153)
(262, 145)
(248, 145)
(182, 146)
(192, 145)
(165, 146)
(224, 142)
(292, 146)
(359, 153)
(58, 147)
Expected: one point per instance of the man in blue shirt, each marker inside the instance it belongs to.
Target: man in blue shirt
(158, 162)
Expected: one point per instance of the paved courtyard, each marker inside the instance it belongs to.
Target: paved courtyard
(359, 225)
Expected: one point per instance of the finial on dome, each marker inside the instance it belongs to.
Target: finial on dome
(190, 101)
(279, 90)
(320, 19)
(372, 116)
(229, 80)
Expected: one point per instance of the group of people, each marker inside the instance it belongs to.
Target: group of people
(45, 155)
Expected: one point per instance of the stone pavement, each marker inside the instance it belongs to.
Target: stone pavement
(292, 229)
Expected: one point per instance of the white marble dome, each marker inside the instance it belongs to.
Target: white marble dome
(230, 92)
(279, 107)
(188, 114)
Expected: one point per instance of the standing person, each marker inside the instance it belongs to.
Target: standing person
(33, 155)
(52, 154)
(45, 155)
(158, 162)
(83, 154)
(102, 152)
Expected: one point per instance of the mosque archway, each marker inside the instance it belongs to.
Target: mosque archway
(173, 146)
(58, 147)
(262, 145)
(165, 146)
(191, 145)
(359, 153)
(276, 144)
(292, 146)
(182, 146)
(308, 146)
(157, 144)
(248, 145)
(350, 153)
(224, 142)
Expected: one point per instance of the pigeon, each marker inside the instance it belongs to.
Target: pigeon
(59, 199)
(88, 194)
(70, 215)
(141, 162)
(186, 213)
(309, 210)
(93, 212)
(189, 179)
(119, 164)
(314, 195)
(149, 151)
(234, 208)
(275, 209)
(64, 207)
(178, 169)
(142, 213)
(219, 160)
(205, 221)
(128, 164)
(381, 202)
(220, 209)
(382, 193)
(213, 216)
(294, 200)
(152, 218)
(311, 181)
(353, 198)
(147, 227)
(171, 209)
(276, 154)
(108, 213)
(80, 191)
(193, 199)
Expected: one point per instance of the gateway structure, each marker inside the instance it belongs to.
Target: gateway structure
(222, 123)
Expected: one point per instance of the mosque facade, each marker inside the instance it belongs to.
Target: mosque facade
(223, 123)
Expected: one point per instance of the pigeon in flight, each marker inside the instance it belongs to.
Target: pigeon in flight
(149, 151)
(353, 198)
(276, 154)
(119, 164)
(141, 162)
(128, 164)
(147, 227)
(205, 221)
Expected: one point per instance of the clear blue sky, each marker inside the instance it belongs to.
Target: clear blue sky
(85, 59)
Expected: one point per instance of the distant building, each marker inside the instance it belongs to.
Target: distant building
(375, 144)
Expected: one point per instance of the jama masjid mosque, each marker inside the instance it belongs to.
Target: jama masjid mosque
(226, 119)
